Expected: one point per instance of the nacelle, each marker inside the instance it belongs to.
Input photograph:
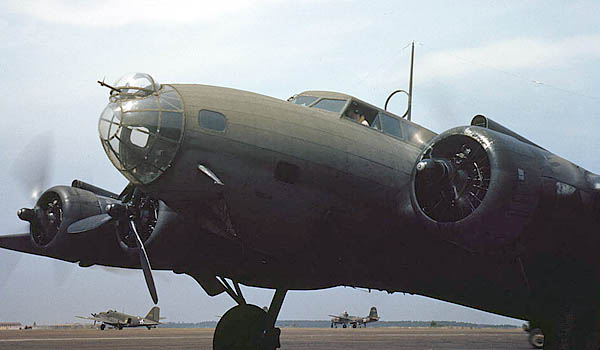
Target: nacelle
(481, 188)
(55, 210)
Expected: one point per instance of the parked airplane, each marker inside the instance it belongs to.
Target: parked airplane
(355, 321)
(231, 184)
(119, 320)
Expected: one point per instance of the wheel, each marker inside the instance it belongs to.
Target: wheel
(120, 327)
(354, 325)
(332, 325)
(536, 338)
(243, 327)
(344, 325)
(102, 326)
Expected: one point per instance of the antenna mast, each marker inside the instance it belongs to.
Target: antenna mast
(409, 93)
(412, 59)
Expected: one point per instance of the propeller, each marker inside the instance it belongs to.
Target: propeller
(89, 223)
(452, 180)
(124, 211)
(32, 165)
(31, 171)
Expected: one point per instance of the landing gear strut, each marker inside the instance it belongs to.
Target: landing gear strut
(248, 327)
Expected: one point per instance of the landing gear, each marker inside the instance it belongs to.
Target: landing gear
(344, 325)
(331, 324)
(248, 327)
(102, 326)
(354, 325)
(536, 338)
(242, 327)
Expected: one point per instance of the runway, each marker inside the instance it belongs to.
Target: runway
(291, 339)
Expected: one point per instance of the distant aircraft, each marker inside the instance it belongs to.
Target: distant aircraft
(119, 320)
(344, 319)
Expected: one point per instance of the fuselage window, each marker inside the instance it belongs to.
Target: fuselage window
(212, 120)
(330, 105)
(391, 125)
(304, 100)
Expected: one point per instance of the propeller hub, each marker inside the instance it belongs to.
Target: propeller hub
(434, 170)
(452, 178)
(116, 210)
(26, 214)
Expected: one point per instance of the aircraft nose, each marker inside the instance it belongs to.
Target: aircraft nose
(141, 129)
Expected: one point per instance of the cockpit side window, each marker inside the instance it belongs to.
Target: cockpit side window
(362, 114)
(391, 125)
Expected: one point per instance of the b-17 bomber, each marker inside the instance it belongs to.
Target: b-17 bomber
(236, 188)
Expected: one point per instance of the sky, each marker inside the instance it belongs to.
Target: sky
(530, 65)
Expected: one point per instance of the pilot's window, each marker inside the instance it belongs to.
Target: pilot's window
(330, 105)
(212, 120)
(362, 114)
(391, 125)
(304, 100)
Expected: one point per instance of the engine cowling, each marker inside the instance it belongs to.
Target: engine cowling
(153, 217)
(481, 188)
(55, 210)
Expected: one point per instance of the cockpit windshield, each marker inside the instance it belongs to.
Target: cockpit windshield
(303, 100)
(327, 104)
(142, 127)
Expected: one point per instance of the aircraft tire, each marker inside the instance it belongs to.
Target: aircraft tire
(344, 325)
(536, 338)
(102, 327)
(242, 328)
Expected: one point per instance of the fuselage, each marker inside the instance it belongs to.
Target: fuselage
(283, 193)
(119, 319)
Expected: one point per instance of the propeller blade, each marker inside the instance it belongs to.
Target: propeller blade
(89, 223)
(145, 263)
(33, 164)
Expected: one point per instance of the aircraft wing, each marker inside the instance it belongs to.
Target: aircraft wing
(102, 249)
(98, 319)
(340, 318)
(22, 243)
(86, 318)
(147, 322)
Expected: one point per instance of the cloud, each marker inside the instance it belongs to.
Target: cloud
(510, 56)
(118, 13)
